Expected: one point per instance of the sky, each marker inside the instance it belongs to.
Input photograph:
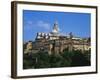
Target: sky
(42, 21)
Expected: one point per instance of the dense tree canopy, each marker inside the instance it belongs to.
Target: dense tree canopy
(65, 59)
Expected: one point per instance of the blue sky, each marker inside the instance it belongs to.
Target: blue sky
(43, 21)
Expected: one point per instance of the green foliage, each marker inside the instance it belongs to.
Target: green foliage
(64, 59)
(57, 60)
(79, 59)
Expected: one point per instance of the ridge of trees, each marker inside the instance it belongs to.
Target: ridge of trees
(64, 59)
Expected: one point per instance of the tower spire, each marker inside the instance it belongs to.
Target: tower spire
(55, 27)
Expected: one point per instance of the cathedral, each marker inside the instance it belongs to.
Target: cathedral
(54, 42)
(51, 36)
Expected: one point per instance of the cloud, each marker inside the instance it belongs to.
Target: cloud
(43, 25)
(29, 25)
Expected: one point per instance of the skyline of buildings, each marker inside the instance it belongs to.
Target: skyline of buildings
(52, 42)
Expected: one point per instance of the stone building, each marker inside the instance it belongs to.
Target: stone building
(53, 42)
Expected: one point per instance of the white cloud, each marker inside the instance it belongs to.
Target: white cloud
(40, 24)
(43, 25)
(28, 25)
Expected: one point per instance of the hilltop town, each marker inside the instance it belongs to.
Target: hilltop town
(52, 50)
(54, 42)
